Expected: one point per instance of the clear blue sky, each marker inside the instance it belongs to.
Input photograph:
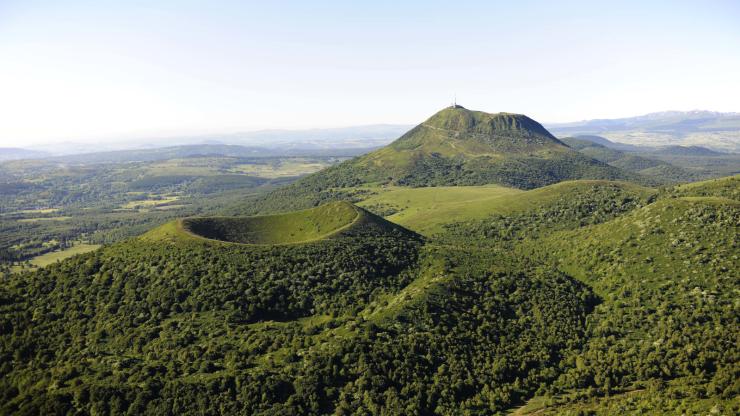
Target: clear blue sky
(112, 69)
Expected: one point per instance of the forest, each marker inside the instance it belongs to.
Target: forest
(636, 314)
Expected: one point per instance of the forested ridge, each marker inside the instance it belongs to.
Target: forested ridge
(604, 298)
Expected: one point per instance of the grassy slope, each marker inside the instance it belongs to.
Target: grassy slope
(295, 227)
(427, 210)
(54, 256)
(663, 241)
(424, 210)
(463, 147)
(298, 227)
(728, 187)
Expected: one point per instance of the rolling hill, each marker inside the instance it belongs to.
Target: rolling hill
(661, 172)
(429, 210)
(667, 275)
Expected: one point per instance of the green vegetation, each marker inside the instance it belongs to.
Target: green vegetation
(456, 147)
(723, 187)
(428, 210)
(461, 147)
(578, 297)
(283, 168)
(46, 204)
(658, 171)
(55, 256)
(301, 226)
(424, 210)
(483, 317)
(667, 274)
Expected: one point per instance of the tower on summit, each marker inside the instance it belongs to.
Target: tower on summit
(454, 102)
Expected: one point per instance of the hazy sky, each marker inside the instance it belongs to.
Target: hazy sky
(99, 70)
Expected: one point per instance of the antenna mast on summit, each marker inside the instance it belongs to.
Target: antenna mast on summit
(454, 101)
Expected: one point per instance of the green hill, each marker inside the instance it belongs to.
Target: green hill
(657, 172)
(457, 146)
(728, 187)
(331, 220)
(454, 147)
(667, 276)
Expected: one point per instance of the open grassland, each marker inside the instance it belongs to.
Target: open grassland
(54, 256)
(36, 211)
(150, 203)
(295, 227)
(427, 210)
(189, 166)
(280, 169)
(60, 218)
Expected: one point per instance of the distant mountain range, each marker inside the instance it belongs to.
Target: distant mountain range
(717, 131)
(354, 137)
(15, 153)
(665, 164)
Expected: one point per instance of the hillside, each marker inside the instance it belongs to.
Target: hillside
(429, 210)
(334, 310)
(331, 220)
(146, 307)
(454, 147)
(339, 324)
(457, 146)
(667, 277)
(662, 339)
(659, 171)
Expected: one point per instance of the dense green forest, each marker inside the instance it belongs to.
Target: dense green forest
(476, 266)
(636, 313)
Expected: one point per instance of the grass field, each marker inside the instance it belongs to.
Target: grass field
(49, 258)
(426, 210)
(60, 218)
(281, 169)
(294, 227)
(149, 203)
(32, 211)
(189, 166)
(38, 211)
